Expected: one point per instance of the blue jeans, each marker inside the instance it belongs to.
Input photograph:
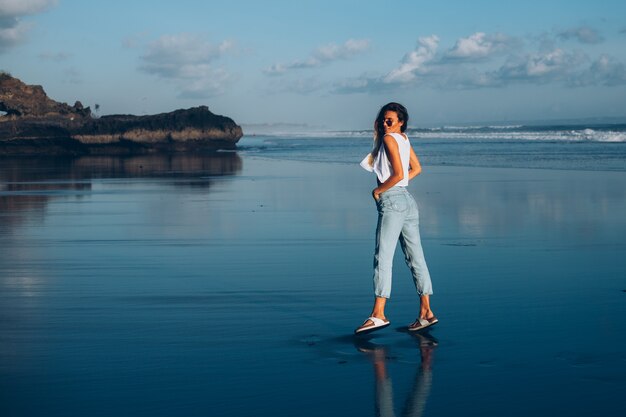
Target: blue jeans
(398, 219)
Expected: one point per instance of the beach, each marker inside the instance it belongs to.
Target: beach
(230, 285)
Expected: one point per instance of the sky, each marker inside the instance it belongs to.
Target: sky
(325, 64)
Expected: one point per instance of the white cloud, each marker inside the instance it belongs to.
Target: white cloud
(573, 69)
(13, 30)
(584, 34)
(205, 82)
(323, 55)
(17, 8)
(188, 60)
(169, 53)
(490, 61)
(12, 34)
(332, 52)
(276, 69)
(606, 71)
(554, 64)
(479, 46)
(414, 62)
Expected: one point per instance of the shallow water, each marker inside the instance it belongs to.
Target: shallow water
(229, 286)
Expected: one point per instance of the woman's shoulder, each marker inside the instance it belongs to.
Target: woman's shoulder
(398, 136)
(392, 136)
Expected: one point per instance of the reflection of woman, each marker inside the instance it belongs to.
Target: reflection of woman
(418, 396)
(395, 163)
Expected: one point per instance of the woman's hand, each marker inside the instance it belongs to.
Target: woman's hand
(376, 194)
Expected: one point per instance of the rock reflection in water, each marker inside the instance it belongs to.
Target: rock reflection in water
(28, 184)
(20, 170)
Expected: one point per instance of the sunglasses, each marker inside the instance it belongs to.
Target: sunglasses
(388, 122)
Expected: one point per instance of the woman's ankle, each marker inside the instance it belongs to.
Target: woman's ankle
(426, 314)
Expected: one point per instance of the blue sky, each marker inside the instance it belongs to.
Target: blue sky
(328, 64)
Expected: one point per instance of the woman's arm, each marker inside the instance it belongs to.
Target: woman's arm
(393, 154)
(414, 165)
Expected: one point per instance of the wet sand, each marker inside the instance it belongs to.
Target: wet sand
(230, 286)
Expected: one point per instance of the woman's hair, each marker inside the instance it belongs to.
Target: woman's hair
(379, 126)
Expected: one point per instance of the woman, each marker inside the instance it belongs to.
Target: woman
(395, 163)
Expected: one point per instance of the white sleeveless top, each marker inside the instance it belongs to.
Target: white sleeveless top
(382, 166)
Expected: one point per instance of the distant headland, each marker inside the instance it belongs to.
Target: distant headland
(34, 124)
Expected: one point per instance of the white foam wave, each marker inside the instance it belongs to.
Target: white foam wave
(588, 135)
(479, 127)
(601, 136)
(475, 133)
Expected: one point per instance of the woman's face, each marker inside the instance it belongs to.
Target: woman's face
(391, 122)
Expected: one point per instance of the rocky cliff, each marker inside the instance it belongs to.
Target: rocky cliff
(36, 124)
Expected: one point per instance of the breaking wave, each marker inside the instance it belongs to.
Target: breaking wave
(600, 133)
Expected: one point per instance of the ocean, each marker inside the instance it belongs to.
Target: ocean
(229, 284)
(586, 147)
